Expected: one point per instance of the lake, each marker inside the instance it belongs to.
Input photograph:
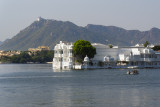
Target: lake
(38, 85)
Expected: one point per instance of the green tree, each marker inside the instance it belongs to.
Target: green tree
(110, 46)
(156, 48)
(15, 59)
(146, 44)
(43, 56)
(5, 59)
(24, 57)
(100, 63)
(82, 48)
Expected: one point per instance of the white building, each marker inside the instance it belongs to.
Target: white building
(63, 56)
(116, 57)
(130, 57)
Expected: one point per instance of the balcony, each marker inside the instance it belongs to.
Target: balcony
(70, 55)
(145, 59)
(58, 55)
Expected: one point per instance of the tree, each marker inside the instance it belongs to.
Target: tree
(110, 46)
(100, 63)
(82, 48)
(15, 59)
(156, 48)
(43, 56)
(24, 57)
(5, 59)
(146, 44)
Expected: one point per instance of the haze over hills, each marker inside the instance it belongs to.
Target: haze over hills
(49, 32)
(1, 42)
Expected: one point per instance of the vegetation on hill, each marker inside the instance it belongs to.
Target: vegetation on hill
(82, 48)
(27, 57)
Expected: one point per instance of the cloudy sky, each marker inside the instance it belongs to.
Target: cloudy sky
(142, 15)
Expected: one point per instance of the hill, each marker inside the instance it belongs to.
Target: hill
(1, 42)
(122, 36)
(49, 32)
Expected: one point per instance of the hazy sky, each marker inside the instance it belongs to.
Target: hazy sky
(15, 15)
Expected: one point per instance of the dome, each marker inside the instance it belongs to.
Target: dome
(106, 58)
(86, 59)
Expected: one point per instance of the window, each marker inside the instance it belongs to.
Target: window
(61, 52)
(60, 59)
(155, 63)
(142, 55)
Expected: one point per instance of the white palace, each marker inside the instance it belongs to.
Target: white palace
(136, 56)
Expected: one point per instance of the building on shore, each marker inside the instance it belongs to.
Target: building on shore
(136, 56)
(39, 48)
(63, 56)
(127, 57)
(9, 53)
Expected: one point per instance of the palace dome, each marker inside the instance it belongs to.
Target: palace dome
(86, 59)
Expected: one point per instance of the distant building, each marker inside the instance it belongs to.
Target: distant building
(9, 53)
(117, 57)
(40, 48)
(39, 18)
(43, 48)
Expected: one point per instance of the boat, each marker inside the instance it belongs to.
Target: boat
(133, 72)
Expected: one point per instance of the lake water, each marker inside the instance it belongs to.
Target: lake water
(38, 85)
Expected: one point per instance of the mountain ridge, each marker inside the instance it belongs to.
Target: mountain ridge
(48, 32)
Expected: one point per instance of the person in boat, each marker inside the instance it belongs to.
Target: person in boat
(132, 72)
(135, 72)
(129, 72)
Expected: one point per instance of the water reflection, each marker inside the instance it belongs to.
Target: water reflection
(129, 97)
(60, 70)
(72, 96)
(41, 86)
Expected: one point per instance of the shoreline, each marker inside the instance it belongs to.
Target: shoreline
(26, 63)
(90, 67)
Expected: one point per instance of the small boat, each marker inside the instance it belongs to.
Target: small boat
(133, 72)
